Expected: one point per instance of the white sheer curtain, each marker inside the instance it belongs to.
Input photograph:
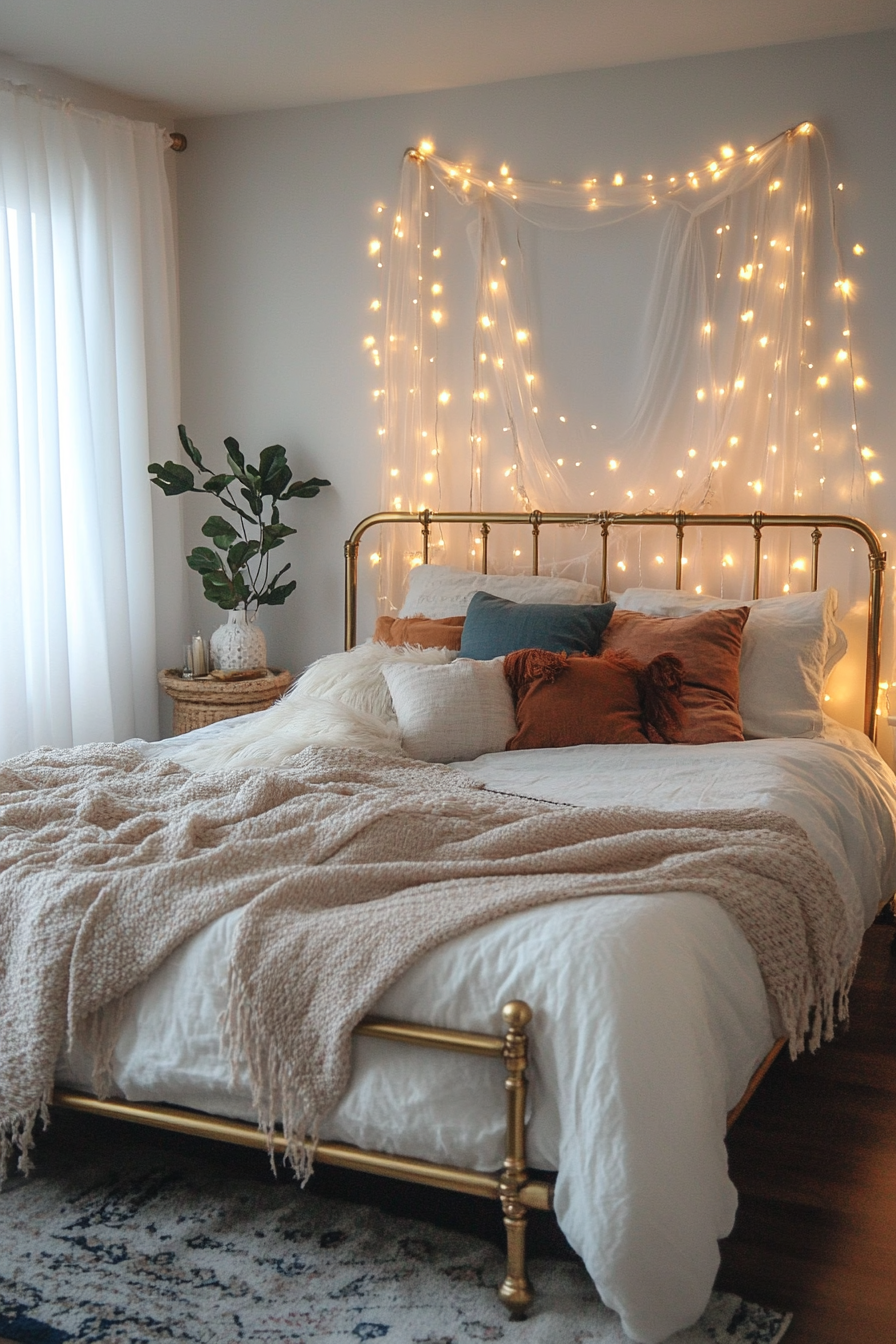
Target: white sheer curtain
(87, 400)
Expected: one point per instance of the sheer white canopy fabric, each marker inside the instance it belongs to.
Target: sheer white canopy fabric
(87, 400)
(726, 383)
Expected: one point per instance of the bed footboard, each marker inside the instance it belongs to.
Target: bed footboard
(514, 1188)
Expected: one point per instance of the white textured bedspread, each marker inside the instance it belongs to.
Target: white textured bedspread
(650, 1016)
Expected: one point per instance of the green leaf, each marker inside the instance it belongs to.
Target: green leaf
(240, 554)
(205, 561)
(222, 533)
(272, 535)
(190, 448)
(219, 589)
(275, 597)
(234, 454)
(173, 478)
(253, 499)
(273, 469)
(305, 489)
(215, 484)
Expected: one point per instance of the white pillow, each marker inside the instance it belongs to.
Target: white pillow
(790, 645)
(455, 712)
(442, 590)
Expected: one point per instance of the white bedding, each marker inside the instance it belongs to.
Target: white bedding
(650, 1016)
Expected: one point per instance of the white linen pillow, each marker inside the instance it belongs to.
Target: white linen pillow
(455, 712)
(790, 644)
(443, 590)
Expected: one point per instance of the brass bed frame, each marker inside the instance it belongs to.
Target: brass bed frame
(513, 1186)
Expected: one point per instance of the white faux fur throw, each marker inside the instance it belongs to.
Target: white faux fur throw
(349, 867)
(339, 701)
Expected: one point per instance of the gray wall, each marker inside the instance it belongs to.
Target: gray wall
(276, 210)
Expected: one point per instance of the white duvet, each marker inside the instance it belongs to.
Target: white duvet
(649, 1017)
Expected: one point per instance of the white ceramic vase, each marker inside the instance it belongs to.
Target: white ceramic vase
(239, 643)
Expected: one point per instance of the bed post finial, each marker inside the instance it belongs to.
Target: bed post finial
(516, 1291)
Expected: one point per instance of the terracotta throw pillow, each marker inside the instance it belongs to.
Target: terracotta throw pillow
(419, 631)
(708, 645)
(564, 701)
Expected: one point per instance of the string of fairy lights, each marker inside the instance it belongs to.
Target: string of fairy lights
(753, 420)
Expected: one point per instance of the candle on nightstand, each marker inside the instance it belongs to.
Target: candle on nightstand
(199, 659)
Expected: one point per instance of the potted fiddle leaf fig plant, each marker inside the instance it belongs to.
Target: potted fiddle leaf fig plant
(236, 568)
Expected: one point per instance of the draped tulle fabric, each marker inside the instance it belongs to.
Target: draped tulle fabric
(87, 400)
(738, 393)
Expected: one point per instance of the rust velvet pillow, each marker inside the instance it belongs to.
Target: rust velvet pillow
(564, 701)
(420, 631)
(708, 645)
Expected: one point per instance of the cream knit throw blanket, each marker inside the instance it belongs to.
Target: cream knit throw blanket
(349, 866)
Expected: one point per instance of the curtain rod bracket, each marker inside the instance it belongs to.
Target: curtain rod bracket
(178, 141)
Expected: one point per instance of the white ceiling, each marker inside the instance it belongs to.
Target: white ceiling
(214, 56)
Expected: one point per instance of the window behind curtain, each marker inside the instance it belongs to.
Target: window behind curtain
(87, 400)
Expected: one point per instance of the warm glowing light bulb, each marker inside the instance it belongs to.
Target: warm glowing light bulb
(860, 383)
(444, 398)
(858, 249)
(763, 341)
(692, 452)
(867, 452)
(727, 152)
(618, 180)
(612, 464)
(701, 394)
(436, 315)
(436, 288)
(426, 146)
(504, 170)
(485, 320)
(375, 306)
(522, 335)
(369, 342)
(437, 252)
(822, 381)
(875, 477)
(374, 246)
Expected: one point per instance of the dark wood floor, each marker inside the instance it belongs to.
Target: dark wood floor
(813, 1156)
(814, 1159)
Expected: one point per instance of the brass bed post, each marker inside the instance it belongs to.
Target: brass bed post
(351, 593)
(878, 564)
(816, 542)
(679, 547)
(516, 1290)
(484, 530)
(425, 517)
(535, 521)
(756, 524)
(604, 520)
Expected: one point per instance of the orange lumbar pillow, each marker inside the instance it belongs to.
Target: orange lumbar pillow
(421, 631)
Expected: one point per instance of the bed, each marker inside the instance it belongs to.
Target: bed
(650, 1020)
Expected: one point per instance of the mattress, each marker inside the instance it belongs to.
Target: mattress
(650, 1016)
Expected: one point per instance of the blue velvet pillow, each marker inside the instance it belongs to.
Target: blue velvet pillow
(495, 626)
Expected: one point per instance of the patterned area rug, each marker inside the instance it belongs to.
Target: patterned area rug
(145, 1244)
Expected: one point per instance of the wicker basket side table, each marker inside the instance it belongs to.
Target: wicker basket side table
(202, 701)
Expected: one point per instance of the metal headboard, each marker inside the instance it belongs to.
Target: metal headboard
(758, 522)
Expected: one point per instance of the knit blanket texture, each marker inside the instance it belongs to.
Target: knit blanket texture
(348, 867)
